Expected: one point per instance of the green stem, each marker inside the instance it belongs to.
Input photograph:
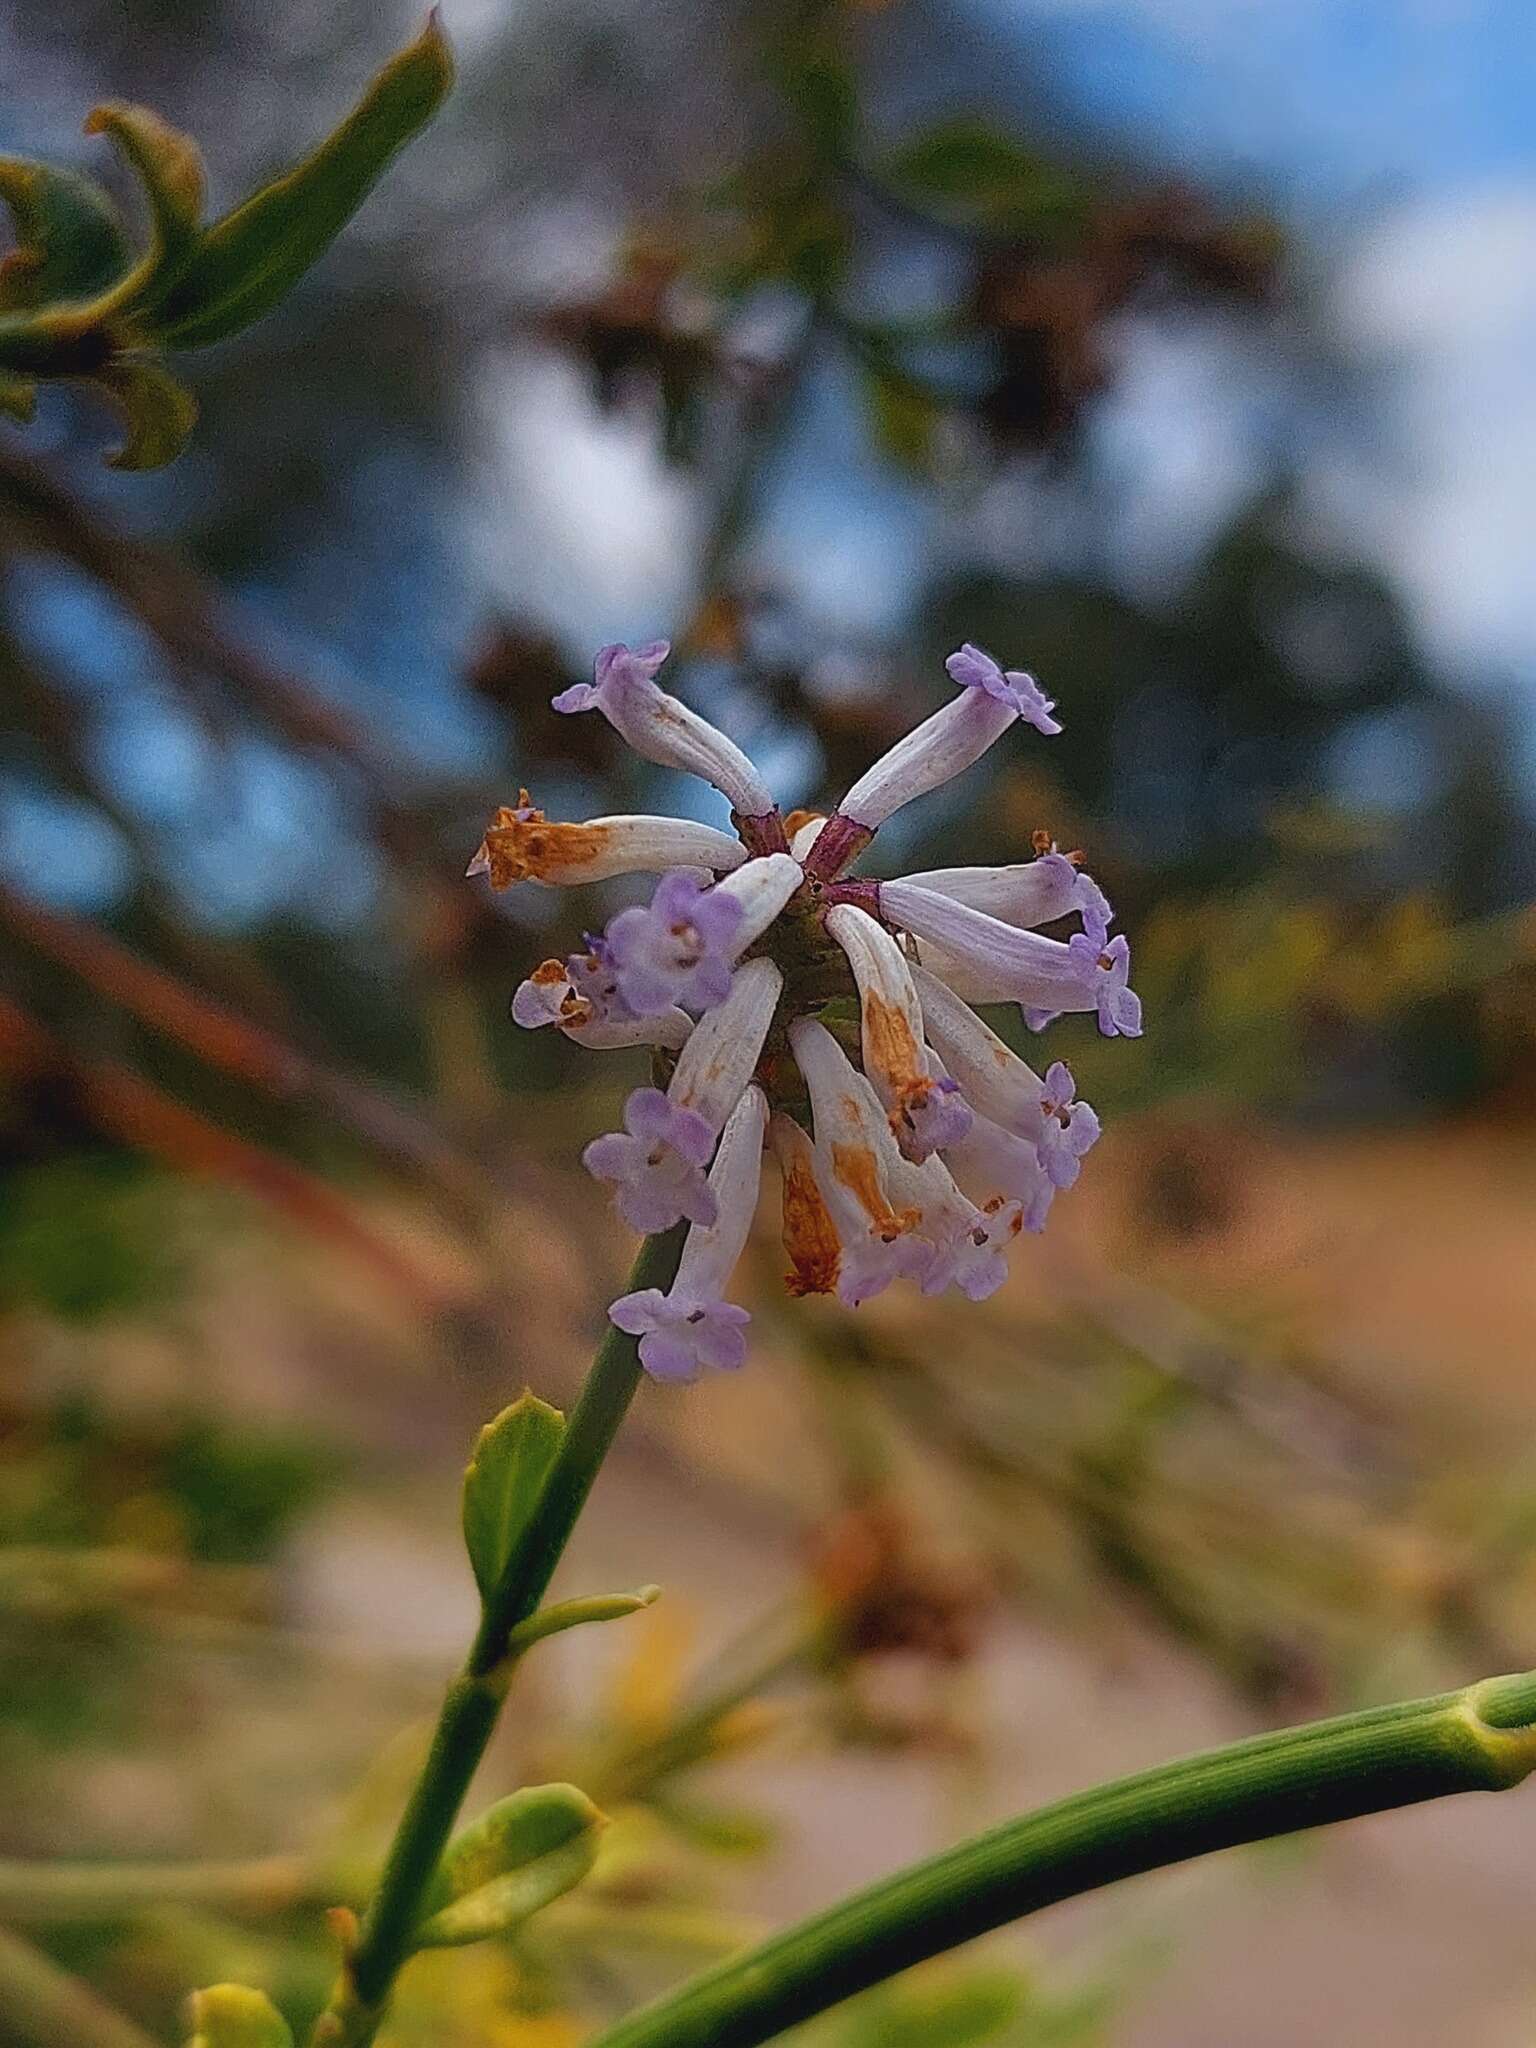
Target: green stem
(1482, 1739)
(474, 1699)
(42, 2003)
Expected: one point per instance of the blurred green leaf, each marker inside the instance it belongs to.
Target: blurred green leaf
(518, 1830)
(252, 257)
(968, 167)
(510, 1462)
(524, 1852)
(234, 2016)
(171, 171)
(160, 412)
(69, 240)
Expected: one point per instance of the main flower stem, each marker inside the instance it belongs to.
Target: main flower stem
(473, 1702)
(1482, 1739)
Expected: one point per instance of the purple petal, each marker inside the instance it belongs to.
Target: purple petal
(639, 1312)
(579, 697)
(670, 1357)
(648, 1116)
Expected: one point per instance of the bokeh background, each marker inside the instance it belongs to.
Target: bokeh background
(1182, 351)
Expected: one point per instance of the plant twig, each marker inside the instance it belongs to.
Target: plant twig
(1479, 1739)
(474, 1700)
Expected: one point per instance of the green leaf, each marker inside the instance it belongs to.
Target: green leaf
(511, 1460)
(234, 2016)
(972, 170)
(520, 1854)
(160, 413)
(518, 1830)
(70, 242)
(564, 1614)
(503, 1905)
(252, 257)
(171, 171)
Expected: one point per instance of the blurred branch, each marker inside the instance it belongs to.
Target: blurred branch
(249, 1051)
(134, 1111)
(57, 1894)
(47, 2006)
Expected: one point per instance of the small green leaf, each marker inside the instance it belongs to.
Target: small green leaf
(70, 242)
(511, 1459)
(234, 2016)
(518, 1830)
(520, 1854)
(251, 258)
(171, 171)
(975, 172)
(564, 1614)
(502, 1906)
(160, 413)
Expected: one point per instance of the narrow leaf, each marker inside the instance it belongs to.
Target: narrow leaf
(171, 171)
(251, 258)
(70, 242)
(160, 413)
(555, 1620)
(234, 2016)
(511, 1459)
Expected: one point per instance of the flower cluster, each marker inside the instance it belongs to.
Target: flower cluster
(769, 979)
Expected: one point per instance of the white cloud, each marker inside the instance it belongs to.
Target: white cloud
(1443, 300)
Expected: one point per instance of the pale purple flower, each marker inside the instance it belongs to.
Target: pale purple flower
(1026, 893)
(692, 1327)
(656, 1164)
(1106, 966)
(661, 728)
(931, 1119)
(974, 669)
(681, 1339)
(616, 668)
(1071, 1128)
(678, 949)
(987, 961)
(974, 1258)
(998, 1166)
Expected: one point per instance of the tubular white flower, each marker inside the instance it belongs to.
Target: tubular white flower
(992, 1077)
(1028, 893)
(662, 729)
(855, 1160)
(522, 845)
(999, 1167)
(925, 1113)
(933, 753)
(724, 1047)
(966, 1243)
(692, 1326)
(993, 962)
(762, 887)
(671, 1031)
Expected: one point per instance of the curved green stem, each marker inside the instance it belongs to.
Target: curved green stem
(474, 1699)
(1482, 1739)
